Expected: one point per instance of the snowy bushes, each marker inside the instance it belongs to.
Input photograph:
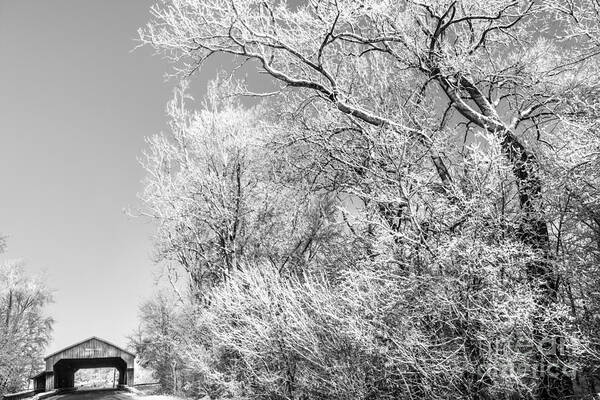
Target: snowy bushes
(377, 333)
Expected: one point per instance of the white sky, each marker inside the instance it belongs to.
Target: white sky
(75, 106)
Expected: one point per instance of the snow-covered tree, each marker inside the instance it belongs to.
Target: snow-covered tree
(25, 327)
(459, 140)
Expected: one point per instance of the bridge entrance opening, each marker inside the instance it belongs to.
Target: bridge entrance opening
(66, 368)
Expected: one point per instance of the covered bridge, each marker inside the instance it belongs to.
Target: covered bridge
(89, 353)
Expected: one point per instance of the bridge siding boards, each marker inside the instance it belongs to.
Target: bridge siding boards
(90, 348)
(49, 382)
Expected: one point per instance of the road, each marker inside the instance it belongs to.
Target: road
(96, 395)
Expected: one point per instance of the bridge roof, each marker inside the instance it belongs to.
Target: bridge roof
(88, 339)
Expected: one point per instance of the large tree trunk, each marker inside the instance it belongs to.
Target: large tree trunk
(474, 106)
(533, 231)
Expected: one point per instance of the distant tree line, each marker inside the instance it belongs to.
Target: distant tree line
(408, 208)
(96, 378)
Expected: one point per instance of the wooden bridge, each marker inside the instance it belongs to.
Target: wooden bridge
(89, 353)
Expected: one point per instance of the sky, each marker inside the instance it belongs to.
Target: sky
(75, 106)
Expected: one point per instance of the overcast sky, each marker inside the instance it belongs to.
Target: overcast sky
(75, 106)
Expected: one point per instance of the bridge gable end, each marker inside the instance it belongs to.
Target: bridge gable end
(91, 348)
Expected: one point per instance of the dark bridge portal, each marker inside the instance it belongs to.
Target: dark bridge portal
(90, 353)
(65, 369)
